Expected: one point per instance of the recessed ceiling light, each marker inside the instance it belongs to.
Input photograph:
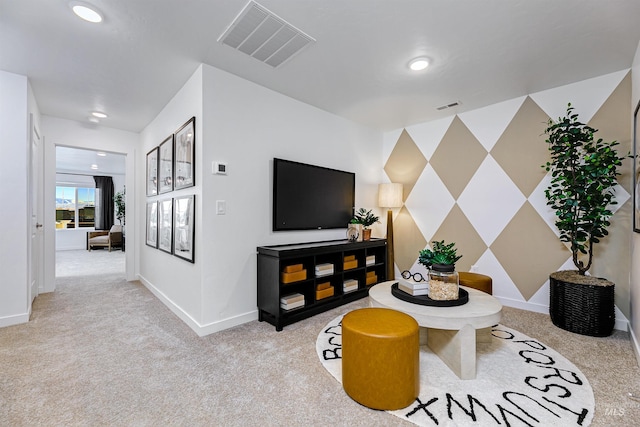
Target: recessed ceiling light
(99, 114)
(86, 11)
(419, 64)
(102, 154)
(94, 167)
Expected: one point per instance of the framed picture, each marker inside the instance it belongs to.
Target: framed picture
(165, 166)
(185, 142)
(152, 224)
(152, 172)
(636, 171)
(184, 227)
(165, 225)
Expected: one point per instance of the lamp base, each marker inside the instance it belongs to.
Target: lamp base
(390, 260)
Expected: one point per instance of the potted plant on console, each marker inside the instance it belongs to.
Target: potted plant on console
(441, 262)
(583, 176)
(367, 219)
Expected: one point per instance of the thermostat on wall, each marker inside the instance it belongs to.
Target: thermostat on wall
(219, 168)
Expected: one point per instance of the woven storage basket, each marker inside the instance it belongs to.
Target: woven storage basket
(582, 308)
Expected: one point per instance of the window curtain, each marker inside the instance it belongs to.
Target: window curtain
(104, 202)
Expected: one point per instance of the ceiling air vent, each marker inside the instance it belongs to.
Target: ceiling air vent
(263, 35)
(444, 107)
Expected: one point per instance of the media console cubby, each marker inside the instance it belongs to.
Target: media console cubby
(280, 276)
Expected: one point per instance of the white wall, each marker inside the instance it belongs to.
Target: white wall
(176, 282)
(635, 241)
(246, 126)
(16, 104)
(69, 133)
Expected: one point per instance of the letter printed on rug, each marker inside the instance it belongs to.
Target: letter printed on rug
(520, 382)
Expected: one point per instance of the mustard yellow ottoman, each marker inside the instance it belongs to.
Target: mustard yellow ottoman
(476, 281)
(380, 358)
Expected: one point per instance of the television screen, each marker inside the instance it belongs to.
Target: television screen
(309, 197)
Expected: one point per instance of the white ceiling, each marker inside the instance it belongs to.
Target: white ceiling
(76, 160)
(482, 52)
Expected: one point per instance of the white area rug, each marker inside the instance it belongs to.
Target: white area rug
(520, 382)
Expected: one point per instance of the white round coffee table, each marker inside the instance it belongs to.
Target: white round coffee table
(450, 332)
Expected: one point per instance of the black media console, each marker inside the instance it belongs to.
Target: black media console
(323, 275)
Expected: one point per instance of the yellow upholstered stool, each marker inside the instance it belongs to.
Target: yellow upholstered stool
(380, 358)
(476, 281)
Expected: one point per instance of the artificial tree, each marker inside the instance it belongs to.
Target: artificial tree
(583, 179)
(583, 176)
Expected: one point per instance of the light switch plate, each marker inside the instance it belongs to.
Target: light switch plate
(221, 207)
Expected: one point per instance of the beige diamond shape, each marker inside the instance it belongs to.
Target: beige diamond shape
(457, 157)
(405, 163)
(521, 150)
(529, 251)
(612, 122)
(408, 242)
(456, 228)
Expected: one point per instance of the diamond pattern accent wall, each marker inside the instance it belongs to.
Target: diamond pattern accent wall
(476, 179)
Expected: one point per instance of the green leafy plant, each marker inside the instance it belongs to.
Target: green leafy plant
(364, 217)
(118, 199)
(583, 177)
(442, 253)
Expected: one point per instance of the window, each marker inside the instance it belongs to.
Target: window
(75, 207)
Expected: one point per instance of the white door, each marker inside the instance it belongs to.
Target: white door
(36, 251)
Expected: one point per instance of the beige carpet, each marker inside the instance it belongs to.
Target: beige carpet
(102, 351)
(518, 380)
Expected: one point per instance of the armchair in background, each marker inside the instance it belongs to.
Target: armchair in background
(108, 239)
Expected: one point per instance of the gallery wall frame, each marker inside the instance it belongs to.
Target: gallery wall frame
(184, 227)
(152, 224)
(152, 172)
(636, 170)
(165, 166)
(185, 143)
(165, 225)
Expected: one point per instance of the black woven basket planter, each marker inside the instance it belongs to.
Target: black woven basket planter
(582, 308)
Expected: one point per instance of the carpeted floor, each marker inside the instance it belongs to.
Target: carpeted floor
(102, 351)
(519, 381)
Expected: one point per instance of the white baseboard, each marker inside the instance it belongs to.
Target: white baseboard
(621, 324)
(199, 329)
(14, 320)
(635, 345)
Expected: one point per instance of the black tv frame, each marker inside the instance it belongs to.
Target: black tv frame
(308, 199)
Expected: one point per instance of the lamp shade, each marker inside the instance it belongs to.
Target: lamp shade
(390, 195)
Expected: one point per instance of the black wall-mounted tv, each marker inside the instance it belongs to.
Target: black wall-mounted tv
(308, 197)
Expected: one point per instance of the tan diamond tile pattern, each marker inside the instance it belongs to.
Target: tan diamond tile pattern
(457, 157)
(407, 247)
(492, 204)
(528, 250)
(612, 122)
(457, 228)
(521, 149)
(405, 164)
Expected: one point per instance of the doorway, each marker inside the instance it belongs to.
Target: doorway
(75, 208)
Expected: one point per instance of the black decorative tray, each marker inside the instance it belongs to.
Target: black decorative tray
(463, 298)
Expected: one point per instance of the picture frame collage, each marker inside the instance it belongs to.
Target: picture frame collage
(170, 221)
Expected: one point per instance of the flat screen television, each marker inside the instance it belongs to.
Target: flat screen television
(308, 197)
